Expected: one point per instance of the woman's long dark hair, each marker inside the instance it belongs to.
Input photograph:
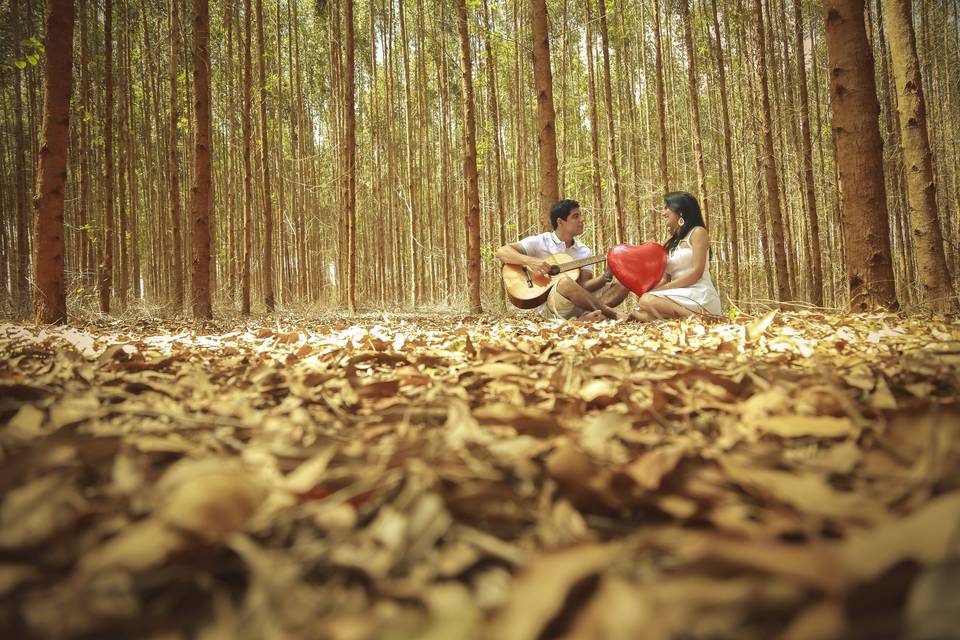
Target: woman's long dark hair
(687, 207)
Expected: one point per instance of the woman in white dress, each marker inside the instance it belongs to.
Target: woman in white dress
(686, 288)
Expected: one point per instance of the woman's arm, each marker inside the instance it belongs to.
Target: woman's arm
(699, 239)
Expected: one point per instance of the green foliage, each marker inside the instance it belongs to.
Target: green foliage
(488, 251)
(31, 48)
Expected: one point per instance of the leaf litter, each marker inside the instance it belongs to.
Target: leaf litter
(795, 475)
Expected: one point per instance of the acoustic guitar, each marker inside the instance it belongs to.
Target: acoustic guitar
(528, 291)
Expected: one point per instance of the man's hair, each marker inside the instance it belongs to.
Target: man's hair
(562, 209)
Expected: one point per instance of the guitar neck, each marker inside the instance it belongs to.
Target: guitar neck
(576, 264)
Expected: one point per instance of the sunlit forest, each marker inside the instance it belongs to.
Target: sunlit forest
(264, 370)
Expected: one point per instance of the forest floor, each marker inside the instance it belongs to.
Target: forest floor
(795, 475)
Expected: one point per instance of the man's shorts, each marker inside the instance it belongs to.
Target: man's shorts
(559, 308)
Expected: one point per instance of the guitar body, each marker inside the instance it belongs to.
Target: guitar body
(529, 294)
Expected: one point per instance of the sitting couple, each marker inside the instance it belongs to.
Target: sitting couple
(685, 289)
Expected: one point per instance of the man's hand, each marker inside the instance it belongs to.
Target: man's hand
(607, 276)
(538, 268)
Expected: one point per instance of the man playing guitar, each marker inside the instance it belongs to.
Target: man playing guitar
(568, 298)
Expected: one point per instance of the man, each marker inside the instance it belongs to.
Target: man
(567, 299)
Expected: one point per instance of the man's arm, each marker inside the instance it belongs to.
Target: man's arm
(513, 254)
(588, 282)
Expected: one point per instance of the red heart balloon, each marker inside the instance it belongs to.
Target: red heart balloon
(638, 268)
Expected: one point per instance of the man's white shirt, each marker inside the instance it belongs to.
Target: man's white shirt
(546, 244)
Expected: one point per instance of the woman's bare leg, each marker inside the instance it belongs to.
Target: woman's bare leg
(663, 308)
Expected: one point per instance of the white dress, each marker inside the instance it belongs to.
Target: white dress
(701, 296)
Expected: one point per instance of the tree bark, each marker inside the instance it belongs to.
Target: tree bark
(594, 124)
(247, 170)
(694, 85)
(173, 170)
(914, 136)
(50, 302)
(203, 153)
(620, 223)
(413, 191)
(348, 174)
(728, 156)
(20, 195)
(267, 257)
(546, 116)
(771, 174)
(471, 195)
(106, 256)
(859, 157)
(809, 191)
(495, 123)
(661, 107)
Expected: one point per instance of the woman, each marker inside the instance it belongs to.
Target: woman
(686, 288)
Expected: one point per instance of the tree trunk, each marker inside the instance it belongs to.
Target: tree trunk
(20, 195)
(86, 264)
(769, 161)
(200, 207)
(413, 191)
(661, 108)
(247, 170)
(471, 187)
(728, 156)
(495, 123)
(694, 85)
(134, 217)
(267, 257)
(620, 225)
(918, 159)
(50, 302)
(546, 132)
(348, 175)
(106, 256)
(859, 157)
(594, 127)
(173, 170)
(809, 191)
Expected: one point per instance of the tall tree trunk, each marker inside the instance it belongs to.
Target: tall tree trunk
(134, 216)
(268, 294)
(106, 256)
(594, 126)
(620, 225)
(471, 195)
(661, 108)
(859, 157)
(173, 170)
(50, 302)
(921, 189)
(247, 169)
(20, 195)
(770, 162)
(86, 265)
(728, 155)
(694, 85)
(495, 123)
(413, 191)
(203, 153)
(809, 191)
(125, 160)
(546, 116)
(348, 154)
